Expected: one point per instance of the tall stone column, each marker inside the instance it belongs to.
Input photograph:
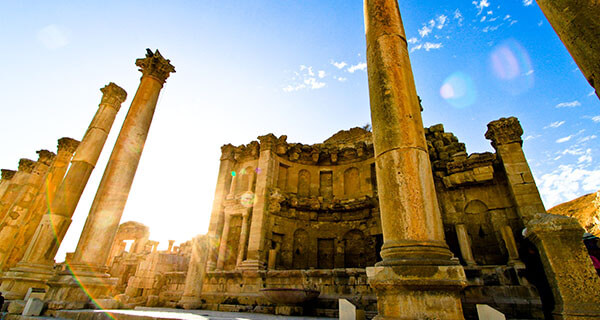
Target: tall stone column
(223, 246)
(88, 266)
(505, 135)
(195, 275)
(7, 175)
(511, 246)
(45, 195)
(215, 227)
(37, 264)
(577, 24)
(17, 212)
(15, 184)
(464, 242)
(243, 237)
(417, 279)
(256, 257)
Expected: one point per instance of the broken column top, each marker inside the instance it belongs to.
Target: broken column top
(155, 65)
(504, 131)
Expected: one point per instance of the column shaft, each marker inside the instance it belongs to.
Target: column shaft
(195, 276)
(7, 175)
(243, 239)
(223, 246)
(464, 243)
(16, 183)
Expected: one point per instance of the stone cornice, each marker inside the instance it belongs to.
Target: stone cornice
(26, 165)
(154, 65)
(7, 174)
(67, 144)
(504, 131)
(113, 95)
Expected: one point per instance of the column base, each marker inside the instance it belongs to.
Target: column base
(418, 291)
(17, 281)
(190, 302)
(78, 288)
(252, 265)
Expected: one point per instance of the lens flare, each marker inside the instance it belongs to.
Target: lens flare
(511, 65)
(233, 173)
(459, 90)
(247, 199)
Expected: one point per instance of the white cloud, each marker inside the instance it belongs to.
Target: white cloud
(340, 79)
(291, 88)
(305, 79)
(555, 124)
(507, 17)
(360, 66)
(587, 157)
(596, 119)
(565, 139)
(53, 36)
(312, 83)
(412, 40)
(442, 21)
(527, 2)
(482, 4)
(586, 138)
(540, 23)
(568, 182)
(571, 104)
(490, 12)
(530, 72)
(531, 137)
(427, 46)
(483, 19)
(491, 28)
(322, 74)
(423, 32)
(339, 65)
(458, 16)
(573, 150)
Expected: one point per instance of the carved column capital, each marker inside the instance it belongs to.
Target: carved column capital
(45, 156)
(67, 144)
(267, 142)
(504, 131)
(154, 65)
(113, 95)
(26, 165)
(7, 174)
(227, 152)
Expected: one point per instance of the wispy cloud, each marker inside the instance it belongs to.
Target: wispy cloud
(427, 46)
(571, 104)
(426, 29)
(527, 3)
(480, 5)
(305, 78)
(596, 119)
(565, 139)
(360, 66)
(321, 74)
(555, 124)
(586, 138)
(442, 21)
(339, 65)
(458, 16)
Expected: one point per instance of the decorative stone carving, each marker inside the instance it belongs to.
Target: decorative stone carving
(7, 174)
(227, 152)
(504, 131)
(26, 165)
(275, 200)
(154, 65)
(68, 144)
(45, 157)
(113, 95)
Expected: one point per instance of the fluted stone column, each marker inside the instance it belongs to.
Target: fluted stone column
(257, 254)
(195, 275)
(89, 260)
(417, 279)
(7, 175)
(223, 246)
(243, 237)
(17, 213)
(15, 184)
(577, 24)
(37, 264)
(45, 195)
(215, 227)
(464, 242)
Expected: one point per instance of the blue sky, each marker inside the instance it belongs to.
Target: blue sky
(247, 68)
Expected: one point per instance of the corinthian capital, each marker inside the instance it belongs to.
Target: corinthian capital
(45, 156)
(267, 142)
(113, 95)
(67, 144)
(227, 152)
(154, 65)
(504, 131)
(7, 174)
(26, 165)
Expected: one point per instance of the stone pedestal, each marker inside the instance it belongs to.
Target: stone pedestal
(417, 279)
(88, 265)
(569, 269)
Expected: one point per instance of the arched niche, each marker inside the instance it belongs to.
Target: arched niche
(303, 183)
(484, 241)
(351, 183)
(301, 249)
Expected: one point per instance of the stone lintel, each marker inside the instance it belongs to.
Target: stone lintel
(26, 165)
(155, 66)
(45, 156)
(113, 95)
(504, 131)
(8, 174)
(67, 144)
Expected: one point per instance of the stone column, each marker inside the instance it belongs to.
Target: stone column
(223, 246)
(45, 195)
(37, 264)
(243, 237)
(505, 135)
(511, 246)
(15, 184)
(7, 175)
(195, 275)
(577, 24)
(417, 278)
(170, 248)
(568, 267)
(464, 242)
(256, 257)
(215, 227)
(90, 257)
(17, 213)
